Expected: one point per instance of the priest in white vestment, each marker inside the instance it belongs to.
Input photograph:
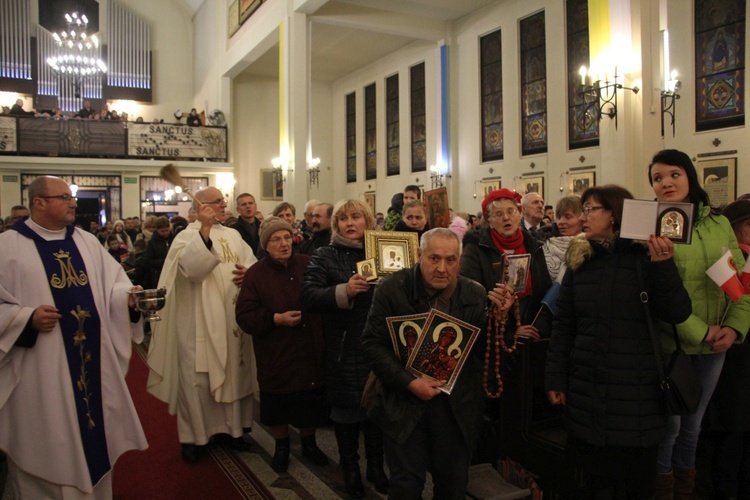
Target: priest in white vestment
(65, 342)
(201, 363)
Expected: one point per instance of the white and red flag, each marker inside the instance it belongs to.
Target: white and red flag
(724, 274)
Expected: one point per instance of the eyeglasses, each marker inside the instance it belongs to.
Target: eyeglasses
(510, 212)
(66, 198)
(588, 208)
(217, 202)
(278, 239)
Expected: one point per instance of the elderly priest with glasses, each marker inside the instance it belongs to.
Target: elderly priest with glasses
(201, 362)
(65, 342)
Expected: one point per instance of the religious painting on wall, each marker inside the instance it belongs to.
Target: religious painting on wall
(233, 18)
(491, 76)
(580, 182)
(533, 85)
(393, 166)
(438, 210)
(719, 179)
(371, 134)
(719, 64)
(583, 125)
(418, 116)
(532, 185)
(351, 138)
(247, 8)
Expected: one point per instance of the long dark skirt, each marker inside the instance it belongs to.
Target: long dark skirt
(299, 409)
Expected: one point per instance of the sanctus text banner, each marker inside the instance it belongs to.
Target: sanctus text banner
(8, 134)
(168, 140)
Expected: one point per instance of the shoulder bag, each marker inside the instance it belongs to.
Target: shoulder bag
(681, 390)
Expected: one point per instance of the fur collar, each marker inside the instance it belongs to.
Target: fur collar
(579, 251)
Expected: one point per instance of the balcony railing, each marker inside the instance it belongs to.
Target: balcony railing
(111, 139)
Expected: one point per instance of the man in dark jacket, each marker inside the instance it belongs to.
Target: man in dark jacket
(321, 226)
(248, 225)
(424, 427)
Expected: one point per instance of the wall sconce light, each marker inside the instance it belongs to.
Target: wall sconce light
(599, 93)
(561, 179)
(313, 171)
(73, 187)
(278, 171)
(436, 177)
(668, 97)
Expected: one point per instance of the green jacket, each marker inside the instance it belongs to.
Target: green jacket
(711, 233)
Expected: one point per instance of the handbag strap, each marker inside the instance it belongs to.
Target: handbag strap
(652, 333)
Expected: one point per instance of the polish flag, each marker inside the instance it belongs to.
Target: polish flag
(724, 274)
(745, 278)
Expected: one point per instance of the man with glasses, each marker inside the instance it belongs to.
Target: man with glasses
(65, 342)
(18, 212)
(248, 224)
(307, 221)
(201, 363)
(321, 226)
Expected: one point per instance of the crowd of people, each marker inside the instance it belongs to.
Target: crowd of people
(87, 112)
(276, 308)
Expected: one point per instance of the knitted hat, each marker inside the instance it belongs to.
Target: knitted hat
(499, 194)
(270, 226)
(737, 211)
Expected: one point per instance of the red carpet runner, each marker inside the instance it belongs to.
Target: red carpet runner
(160, 473)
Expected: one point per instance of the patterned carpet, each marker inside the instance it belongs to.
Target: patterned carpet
(161, 473)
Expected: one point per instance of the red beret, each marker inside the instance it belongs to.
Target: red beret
(499, 194)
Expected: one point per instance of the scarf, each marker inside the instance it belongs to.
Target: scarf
(337, 239)
(513, 246)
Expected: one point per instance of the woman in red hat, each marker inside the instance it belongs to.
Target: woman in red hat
(504, 237)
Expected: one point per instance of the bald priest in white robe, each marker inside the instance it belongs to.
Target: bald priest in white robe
(65, 342)
(201, 362)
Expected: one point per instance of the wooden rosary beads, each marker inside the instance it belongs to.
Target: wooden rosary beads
(496, 322)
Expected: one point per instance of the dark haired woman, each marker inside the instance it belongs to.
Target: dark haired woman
(708, 332)
(600, 363)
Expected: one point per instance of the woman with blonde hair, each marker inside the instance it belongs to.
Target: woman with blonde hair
(333, 288)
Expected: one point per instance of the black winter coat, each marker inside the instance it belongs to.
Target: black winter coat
(153, 259)
(601, 354)
(396, 410)
(346, 370)
(476, 264)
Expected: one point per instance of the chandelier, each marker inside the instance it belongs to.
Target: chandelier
(77, 55)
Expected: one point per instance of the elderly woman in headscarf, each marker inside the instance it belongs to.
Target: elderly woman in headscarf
(288, 343)
(483, 261)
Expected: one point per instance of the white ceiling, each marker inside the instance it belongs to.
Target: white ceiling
(347, 35)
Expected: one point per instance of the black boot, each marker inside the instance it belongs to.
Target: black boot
(190, 453)
(374, 453)
(280, 461)
(310, 450)
(347, 438)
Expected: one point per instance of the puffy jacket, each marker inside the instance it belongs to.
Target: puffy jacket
(601, 353)
(346, 370)
(711, 233)
(476, 264)
(396, 410)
